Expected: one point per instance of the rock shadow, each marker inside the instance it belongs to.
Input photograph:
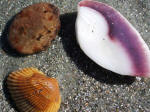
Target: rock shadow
(83, 63)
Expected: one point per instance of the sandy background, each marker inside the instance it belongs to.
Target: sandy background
(85, 87)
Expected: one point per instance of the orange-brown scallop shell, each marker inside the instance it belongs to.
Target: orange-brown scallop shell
(32, 91)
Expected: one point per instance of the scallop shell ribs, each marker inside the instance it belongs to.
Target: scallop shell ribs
(32, 91)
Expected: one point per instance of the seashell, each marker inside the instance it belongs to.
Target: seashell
(34, 28)
(110, 40)
(32, 91)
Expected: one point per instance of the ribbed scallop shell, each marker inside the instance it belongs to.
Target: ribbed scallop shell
(32, 91)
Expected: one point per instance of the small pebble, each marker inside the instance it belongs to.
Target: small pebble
(34, 28)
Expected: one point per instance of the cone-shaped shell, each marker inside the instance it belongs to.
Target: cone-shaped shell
(32, 91)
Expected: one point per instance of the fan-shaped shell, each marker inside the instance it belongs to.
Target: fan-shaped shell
(32, 91)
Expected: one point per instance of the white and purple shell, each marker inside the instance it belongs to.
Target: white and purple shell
(110, 40)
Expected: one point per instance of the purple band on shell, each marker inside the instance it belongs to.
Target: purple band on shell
(120, 30)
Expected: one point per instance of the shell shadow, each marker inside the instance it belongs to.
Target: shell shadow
(83, 63)
(7, 94)
(4, 43)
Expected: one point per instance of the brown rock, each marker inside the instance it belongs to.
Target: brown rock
(34, 28)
